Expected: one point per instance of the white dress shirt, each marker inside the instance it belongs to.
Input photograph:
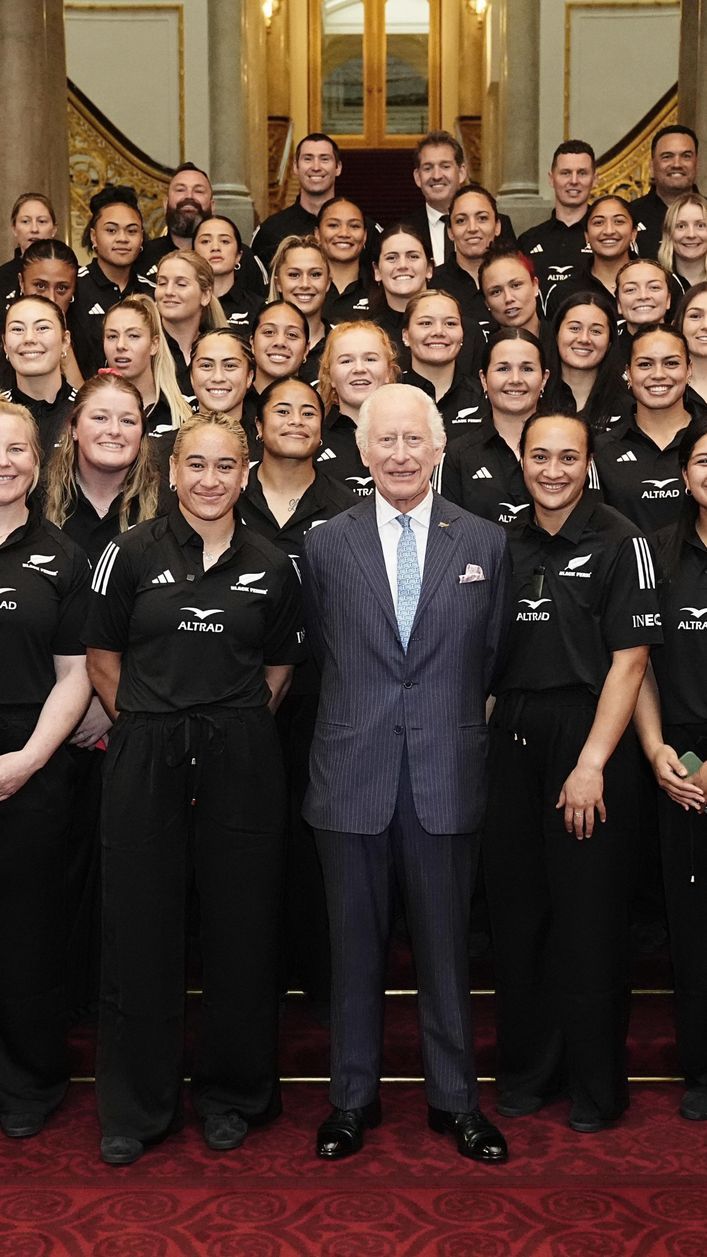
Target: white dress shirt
(438, 233)
(389, 531)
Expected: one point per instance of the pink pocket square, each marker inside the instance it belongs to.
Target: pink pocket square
(473, 572)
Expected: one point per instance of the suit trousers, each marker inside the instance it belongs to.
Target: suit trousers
(684, 852)
(197, 794)
(434, 873)
(558, 905)
(34, 824)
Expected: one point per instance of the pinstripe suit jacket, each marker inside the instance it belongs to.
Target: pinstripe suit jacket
(375, 697)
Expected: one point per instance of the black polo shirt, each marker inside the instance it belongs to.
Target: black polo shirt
(191, 638)
(637, 478)
(581, 281)
(91, 531)
(250, 271)
(648, 214)
(350, 305)
(481, 473)
(295, 220)
(556, 250)
(452, 278)
(620, 408)
(309, 371)
(681, 662)
(43, 596)
(96, 294)
(181, 367)
(339, 456)
(462, 407)
(51, 417)
(241, 306)
(324, 499)
(9, 272)
(577, 597)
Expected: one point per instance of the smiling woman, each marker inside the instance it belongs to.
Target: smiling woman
(558, 882)
(44, 691)
(35, 341)
(193, 629)
(115, 235)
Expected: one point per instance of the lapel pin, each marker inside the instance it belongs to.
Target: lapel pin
(443, 524)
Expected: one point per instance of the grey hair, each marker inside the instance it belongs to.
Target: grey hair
(405, 394)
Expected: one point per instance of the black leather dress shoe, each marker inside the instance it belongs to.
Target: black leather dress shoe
(342, 1133)
(21, 1125)
(223, 1131)
(476, 1136)
(120, 1149)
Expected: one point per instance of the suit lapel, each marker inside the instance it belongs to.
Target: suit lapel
(362, 536)
(441, 544)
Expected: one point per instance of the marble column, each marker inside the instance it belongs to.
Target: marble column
(692, 89)
(33, 136)
(519, 111)
(230, 75)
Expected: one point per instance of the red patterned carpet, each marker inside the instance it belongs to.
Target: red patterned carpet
(639, 1190)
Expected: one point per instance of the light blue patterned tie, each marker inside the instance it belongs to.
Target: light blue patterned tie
(408, 579)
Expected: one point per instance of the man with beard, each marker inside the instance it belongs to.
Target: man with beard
(673, 172)
(190, 199)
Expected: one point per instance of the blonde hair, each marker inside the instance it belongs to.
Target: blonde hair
(211, 419)
(666, 250)
(280, 258)
(141, 482)
(212, 315)
(325, 386)
(14, 411)
(162, 363)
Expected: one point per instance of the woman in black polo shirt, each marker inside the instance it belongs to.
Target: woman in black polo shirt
(49, 268)
(637, 458)
(287, 495)
(357, 359)
(341, 231)
(691, 320)
(591, 372)
(559, 838)
(36, 341)
(44, 691)
(218, 240)
(279, 341)
(98, 483)
(434, 333)
(671, 718)
(402, 270)
(193, 628)
(115, 234)
(136, 347)
(482, 472)
(300, 274)
(184, 293)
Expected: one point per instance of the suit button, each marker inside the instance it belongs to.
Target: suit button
(407, 685)
(398, 729)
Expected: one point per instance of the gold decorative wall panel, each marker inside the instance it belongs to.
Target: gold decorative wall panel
(100, 154)
(625, 169)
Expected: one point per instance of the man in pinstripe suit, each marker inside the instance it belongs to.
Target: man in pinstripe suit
(406, 598)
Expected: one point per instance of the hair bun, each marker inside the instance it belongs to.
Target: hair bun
(113, 194)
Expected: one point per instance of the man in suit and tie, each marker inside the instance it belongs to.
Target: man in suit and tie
(440, 170)
(407, 605)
